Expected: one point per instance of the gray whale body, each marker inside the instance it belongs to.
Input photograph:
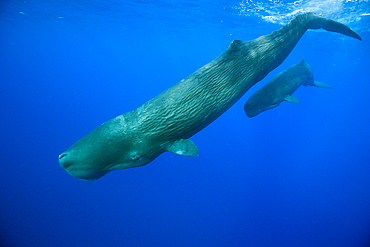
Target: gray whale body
(165, 122)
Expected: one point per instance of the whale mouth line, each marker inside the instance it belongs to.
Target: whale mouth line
(62, 155)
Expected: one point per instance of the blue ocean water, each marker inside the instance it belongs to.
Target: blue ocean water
(296, 175)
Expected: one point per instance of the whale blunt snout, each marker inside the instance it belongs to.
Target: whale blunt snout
(67, 162)
(63, 160)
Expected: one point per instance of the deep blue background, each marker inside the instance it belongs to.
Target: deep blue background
(296, 175)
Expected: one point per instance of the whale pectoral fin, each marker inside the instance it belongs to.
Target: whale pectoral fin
(184, 147)
(291, 99)
(321, 84)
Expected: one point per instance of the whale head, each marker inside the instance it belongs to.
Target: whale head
(113, 145)
(262, 101)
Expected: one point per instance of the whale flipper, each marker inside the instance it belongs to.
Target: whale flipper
(184, 147)
(291, 99)
(321, 84)
(332, 26)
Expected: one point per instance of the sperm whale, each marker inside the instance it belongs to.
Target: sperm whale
(165, 122)
(281, 87)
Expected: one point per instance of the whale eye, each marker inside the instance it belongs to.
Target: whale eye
(136, 158)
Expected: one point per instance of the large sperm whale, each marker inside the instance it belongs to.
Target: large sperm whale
(165, 122)
(281, 87)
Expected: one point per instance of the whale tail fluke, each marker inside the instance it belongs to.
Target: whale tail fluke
(332, 26)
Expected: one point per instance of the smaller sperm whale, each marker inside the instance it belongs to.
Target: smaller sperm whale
(281, 87)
